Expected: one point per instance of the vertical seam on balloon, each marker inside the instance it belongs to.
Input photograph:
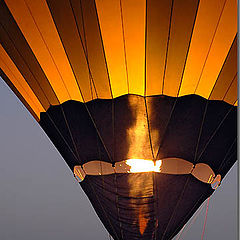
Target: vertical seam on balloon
(213, 134)
(115, 174)
(116, 203)
(103, 209)
(85, 41)
(47, 48)
(104, 55)
(84, 171)
(62, 137)
(176, 99)
(153, 173)
(70, 132)
(145, 100)
(225, 61)
(65, 51)
(86, 56)
(230, 87)
(124, 44)
(149, 132)
(84, 100)
(114, 231)
(102, 176)
(200, 131)
(16, 79)
(26, 62)
(30, 70)
(188, 48)
(84, 32)
(98, 132)
(227, 156)
(175, 208)
(168, 40)
(204, 115)
(145, 54)
(166, 128)
(209, 49)
(155, 198)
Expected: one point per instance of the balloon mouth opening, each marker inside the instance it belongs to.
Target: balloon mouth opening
(177, 166)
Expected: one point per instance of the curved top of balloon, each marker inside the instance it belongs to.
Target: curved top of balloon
(54, 51)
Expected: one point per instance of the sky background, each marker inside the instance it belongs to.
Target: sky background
(40, 199)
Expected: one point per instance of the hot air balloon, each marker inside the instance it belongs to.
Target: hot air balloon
(138, 96)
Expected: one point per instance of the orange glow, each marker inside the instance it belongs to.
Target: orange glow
(143, 165)
(142, 221)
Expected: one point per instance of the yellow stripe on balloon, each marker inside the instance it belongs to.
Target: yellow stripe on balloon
(11, 71)
(222, 42)
(35, 21)
(109, 14)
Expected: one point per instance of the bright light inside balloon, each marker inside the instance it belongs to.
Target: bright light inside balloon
(143, 165)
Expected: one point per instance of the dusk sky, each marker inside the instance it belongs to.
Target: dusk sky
(40, 199)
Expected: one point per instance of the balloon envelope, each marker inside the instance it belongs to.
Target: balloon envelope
(139, 97)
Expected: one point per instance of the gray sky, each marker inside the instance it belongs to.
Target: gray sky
(40, 199)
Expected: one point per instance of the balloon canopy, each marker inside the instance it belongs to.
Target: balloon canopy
(138, 96)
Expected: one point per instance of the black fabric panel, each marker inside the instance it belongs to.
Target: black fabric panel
(178, 201)
(220, 119)
(104, 124)
(126, 203)
(193, 122)
(21, 54)
(183, 129)
(217, 146)
(86, 138)
(159, 113)
(56, 135)
(229, 159)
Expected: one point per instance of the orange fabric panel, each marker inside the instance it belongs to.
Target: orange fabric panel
(227, 75)
(158, 21)
(224, 37)
(19, 51)
(86, 18)
(209, 12)
(64, 20)
(19, 82)
(34, 20)
(183, 19)
(133, 14)
(109, 14)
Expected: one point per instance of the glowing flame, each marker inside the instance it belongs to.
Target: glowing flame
(143, 165)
